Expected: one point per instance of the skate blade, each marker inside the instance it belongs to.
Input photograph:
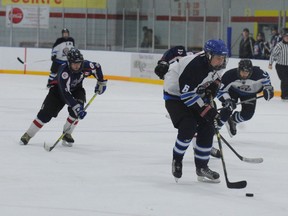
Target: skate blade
(22, 143)
(176, 179)
(67, 144)
(207, 180)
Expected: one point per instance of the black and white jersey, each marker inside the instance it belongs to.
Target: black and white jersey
(185, 76)
(61, 48)
(250, 86)
(279, 54)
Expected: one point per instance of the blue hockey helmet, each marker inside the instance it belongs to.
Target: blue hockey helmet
(216, 47)
(74, 56)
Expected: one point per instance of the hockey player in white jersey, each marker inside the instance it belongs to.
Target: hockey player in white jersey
(59, 53)
(242, 83)
(189, 85)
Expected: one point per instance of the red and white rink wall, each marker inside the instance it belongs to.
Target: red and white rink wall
(126, 66)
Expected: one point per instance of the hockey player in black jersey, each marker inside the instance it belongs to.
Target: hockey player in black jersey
(67, 89)
(171, 55)
(59, 53)
(243, 83)
(189, 85)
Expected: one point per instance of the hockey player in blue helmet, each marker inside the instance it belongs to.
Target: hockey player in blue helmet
(216, 48)
(189, 85)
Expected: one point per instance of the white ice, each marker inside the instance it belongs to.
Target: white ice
(120, 164)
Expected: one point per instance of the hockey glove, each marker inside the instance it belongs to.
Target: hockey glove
(229, 104)
(212, 89)
(209, 113)
(161, 69)
(268, 92)
(208, 89)
(79, 111)
(53, 58)
(100, 87)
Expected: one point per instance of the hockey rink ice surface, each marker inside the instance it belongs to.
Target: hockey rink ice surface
(120, 164)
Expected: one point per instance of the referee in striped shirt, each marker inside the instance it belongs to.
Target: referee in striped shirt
(280, 56)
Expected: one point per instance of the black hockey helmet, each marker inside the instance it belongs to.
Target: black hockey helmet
(65, 30)
(245, 65)
(74, 56)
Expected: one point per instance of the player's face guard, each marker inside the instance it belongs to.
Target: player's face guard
(245, 74)
(75, 67)
(218, 62)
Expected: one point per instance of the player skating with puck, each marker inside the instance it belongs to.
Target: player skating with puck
(188, 87)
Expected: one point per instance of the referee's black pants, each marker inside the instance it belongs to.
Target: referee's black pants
(282, 71)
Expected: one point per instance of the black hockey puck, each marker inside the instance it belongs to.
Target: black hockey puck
(249, 194)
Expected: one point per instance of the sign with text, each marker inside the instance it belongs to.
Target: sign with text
(142, 65)
(59, 3)
(25, 16)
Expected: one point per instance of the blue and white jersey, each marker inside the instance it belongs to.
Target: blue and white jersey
(61, 47)
(68, 81)
(185, 76)
(250, 86)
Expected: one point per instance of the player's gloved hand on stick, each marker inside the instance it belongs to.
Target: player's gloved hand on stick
(208, 89)
(268, 92)
(161, 69)
(53, 58)
(212, 89)
(79, 111)
(209, 113)
(229, 104)
(100, 87)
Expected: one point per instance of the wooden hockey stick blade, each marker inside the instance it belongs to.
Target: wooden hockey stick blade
(20, 60)
(236, 185)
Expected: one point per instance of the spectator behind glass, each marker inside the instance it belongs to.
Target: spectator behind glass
(275, 38)
(246, 45)
(261, 47)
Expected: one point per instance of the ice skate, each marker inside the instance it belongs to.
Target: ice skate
(231, 127)
(67, 140)
(177, 169)
(215, 153)
(207, 175)
(25, 139)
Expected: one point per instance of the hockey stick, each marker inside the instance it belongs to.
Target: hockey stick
(50, 148)
(245, 159)
(231, 185)
(25, 63)
(245, 101)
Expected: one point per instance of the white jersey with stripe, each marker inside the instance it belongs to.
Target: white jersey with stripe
(251, 86)
(185, 76)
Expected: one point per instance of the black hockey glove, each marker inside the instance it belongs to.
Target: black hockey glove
(268, 92)
(53, 58)
(229, 104)
(208, 89)
(161, 69)
(209, 113)
(212, 89)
